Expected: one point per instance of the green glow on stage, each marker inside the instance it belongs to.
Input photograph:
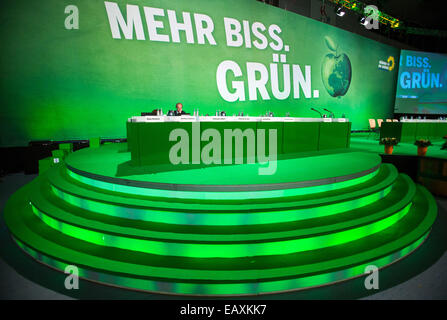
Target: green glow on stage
(220, 219)
(222, 250)
(220, 195)
(228, 288)
(220, 247)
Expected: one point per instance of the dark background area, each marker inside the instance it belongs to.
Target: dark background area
(422, 16)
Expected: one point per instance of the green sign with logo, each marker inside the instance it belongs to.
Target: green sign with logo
(78, 69)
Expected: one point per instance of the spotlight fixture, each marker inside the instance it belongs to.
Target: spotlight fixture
(340, 11)
(395, 24)
(359, 6)
(363, 21)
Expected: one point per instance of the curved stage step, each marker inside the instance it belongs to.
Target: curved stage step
(47, 205)
(174, 211)
(225, 246)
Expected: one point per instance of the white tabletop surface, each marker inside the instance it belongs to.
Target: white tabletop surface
(424, 120)
(230, 119)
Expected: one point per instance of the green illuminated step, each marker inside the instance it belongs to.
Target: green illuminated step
(113, 162)
(300, 208)
(62, 180)
(225, 289)
(59, 214)
(26, 227)
(222, 192)
(75, 242)
(44, 200)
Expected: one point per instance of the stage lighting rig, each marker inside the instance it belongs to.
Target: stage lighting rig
(363, 21)
(340, 11)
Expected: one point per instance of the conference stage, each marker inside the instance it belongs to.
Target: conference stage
(224, 230)
(261, 176)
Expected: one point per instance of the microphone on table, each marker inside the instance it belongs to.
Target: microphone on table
(332, 114)
(313, 109)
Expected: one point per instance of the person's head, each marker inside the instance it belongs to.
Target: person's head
(179, 107)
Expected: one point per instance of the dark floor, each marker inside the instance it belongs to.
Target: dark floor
(419, 276)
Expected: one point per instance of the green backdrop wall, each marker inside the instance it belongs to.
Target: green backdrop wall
(59, 83)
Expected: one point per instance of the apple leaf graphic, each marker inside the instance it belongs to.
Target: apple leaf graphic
(330, 43)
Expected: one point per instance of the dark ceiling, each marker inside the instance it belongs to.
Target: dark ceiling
(424, 24)
(429, 16)
(419, 13)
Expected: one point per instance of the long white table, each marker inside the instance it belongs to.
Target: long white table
(148, 136)
(230, 119)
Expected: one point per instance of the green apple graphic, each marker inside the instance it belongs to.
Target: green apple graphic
(335, 70)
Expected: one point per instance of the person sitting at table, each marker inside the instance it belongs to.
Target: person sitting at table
(179, 110)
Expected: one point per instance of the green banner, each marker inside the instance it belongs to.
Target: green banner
(422, 84)
(74, 69)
